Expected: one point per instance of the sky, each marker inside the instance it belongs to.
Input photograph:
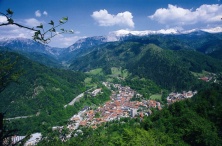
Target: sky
(103, 17)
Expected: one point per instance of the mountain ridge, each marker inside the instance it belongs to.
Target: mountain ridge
(205, 41)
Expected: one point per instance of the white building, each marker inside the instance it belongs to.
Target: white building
(34, 139)
(15, 139)
(133, 112)
(95, 92)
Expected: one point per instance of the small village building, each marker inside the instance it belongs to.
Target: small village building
(133, 112)
(15, 139)
(34, 139)
(95, 92)
(57, 128)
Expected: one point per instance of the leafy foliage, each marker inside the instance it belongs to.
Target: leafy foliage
(40, 34)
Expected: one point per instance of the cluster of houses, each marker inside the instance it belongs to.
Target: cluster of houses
(173, 97)
(119, 105)
(208, 77)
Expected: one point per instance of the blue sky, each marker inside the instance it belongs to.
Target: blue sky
(101, 17)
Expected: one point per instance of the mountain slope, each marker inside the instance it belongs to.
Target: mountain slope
(39, 89)
(197, 40)
(35, 51)
(27, 45)
(81, 47)
(168, 68)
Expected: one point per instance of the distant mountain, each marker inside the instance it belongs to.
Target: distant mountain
(35, 51)
(206, 41)
(197, 40)
(87, 42)
(81, 47)
(28, 45)
(121, 33)
(50, 56)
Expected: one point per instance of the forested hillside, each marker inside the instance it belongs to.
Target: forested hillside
(198, 40)
(39, 88)
(41, 95)
(170, 69)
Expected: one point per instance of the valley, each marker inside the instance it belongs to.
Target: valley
(100, 89)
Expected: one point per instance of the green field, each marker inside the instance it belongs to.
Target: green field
(97, 71)
(87, 80)
(119, 72)
(156, 97)
(203, 73)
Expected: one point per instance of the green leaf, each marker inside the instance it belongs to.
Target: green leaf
(9, 11)
(62, 29)
(10, 20)
(53, 30)
(65, 18)
(61, 21)
(51, 23)
(40, 26)
(71, 31)
(36, 37)
(36, 33)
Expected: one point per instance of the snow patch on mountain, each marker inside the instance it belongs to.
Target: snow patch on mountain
(120, 33)
(213, 30)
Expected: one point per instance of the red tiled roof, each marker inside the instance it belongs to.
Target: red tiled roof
(83, 123)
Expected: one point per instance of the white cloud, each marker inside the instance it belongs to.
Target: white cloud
(174, 15)
(45, 13)
(124, 32)
(32, 22)
(3, 19)
(64, 40)
(38, 13)
(106, 19)
(12, 31)
(213, 30)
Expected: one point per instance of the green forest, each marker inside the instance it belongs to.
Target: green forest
(170, 69)
(41, 94)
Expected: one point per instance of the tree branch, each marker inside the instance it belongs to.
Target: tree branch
(40, 34)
